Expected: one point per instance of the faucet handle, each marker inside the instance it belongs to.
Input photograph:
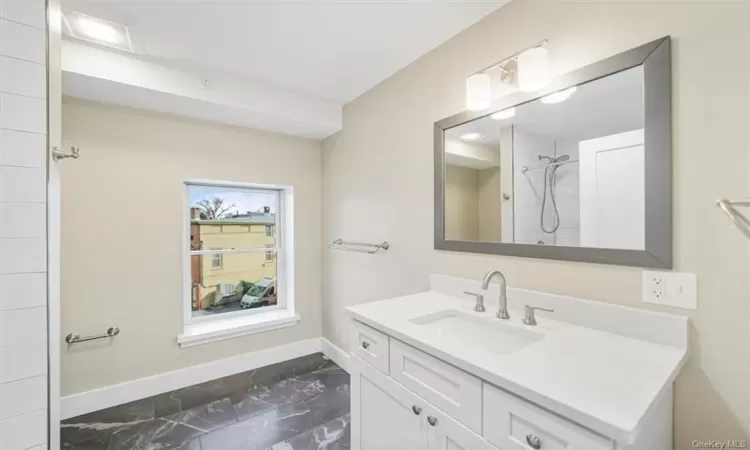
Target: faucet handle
(529, 318)
(479, 307)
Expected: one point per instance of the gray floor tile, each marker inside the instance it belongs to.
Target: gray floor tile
(302, 411)
(332, 435)
(263, 430)
(284, 392)
(94, 430)
(156, 434)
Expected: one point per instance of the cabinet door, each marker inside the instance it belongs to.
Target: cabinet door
(384, 414)
(445, 433)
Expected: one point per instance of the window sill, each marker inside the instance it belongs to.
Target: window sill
(221, 329)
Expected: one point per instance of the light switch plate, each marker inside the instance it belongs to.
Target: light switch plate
(678, 289)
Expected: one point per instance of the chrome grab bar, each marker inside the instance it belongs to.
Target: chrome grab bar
(350, 246)
(74, 338)
(742, 222)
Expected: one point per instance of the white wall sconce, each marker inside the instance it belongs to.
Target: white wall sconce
(478, 92)
(527, 70)
(533, 69)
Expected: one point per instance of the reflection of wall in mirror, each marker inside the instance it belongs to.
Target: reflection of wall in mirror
(461, 203)
(473, 197)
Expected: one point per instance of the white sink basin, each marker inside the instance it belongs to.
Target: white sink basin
(488, 334)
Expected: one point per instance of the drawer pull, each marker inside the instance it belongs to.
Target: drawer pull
(431, 420)
(417, 410)
(365, 345)
(533, 441)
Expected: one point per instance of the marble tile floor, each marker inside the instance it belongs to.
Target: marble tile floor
(303, 411)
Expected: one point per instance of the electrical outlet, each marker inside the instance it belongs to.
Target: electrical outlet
(670, 288)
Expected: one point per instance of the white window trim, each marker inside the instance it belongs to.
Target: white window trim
(203, 330)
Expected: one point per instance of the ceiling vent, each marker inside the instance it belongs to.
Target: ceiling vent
(97, 31)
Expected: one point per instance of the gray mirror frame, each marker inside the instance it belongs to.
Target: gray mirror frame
(655, 57)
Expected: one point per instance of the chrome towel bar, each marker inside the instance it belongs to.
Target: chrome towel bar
(351, 246)
(742, 222)
(74, 338)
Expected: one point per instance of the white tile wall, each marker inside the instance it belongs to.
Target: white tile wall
(23, 184)
(24, 431)
(28, 12)
(22, 77)
(18, 326)
(23, 113)
(24, 255)
(23, 220)
(21, 361)
(23, 41)
(23, 264)
(22, 149)
(23, 396)
(24, 290)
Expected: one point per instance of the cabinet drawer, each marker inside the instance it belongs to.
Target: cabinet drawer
(450, 389)
(509, 421)
(371, 345)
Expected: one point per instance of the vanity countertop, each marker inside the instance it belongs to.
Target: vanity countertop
(604, 381)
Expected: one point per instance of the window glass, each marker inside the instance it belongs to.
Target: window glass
(245, 281)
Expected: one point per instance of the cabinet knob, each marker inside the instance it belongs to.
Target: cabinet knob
(365, 345)
(533, 441)
(417, 410)
(431, 420)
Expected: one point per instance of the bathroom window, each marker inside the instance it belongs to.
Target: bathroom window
(238, 261)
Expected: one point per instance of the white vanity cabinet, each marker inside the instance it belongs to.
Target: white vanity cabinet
(387, 416)
(403, 398)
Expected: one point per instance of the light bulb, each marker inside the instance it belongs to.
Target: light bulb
(533, 69)
(478, 92)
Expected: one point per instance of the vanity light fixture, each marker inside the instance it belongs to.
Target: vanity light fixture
(504, 114)
(559, 96)
(527, 70)
(470, 136)
(533, 69)
(478, 92)
(95, 30)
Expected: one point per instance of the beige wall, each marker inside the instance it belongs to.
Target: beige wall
(461, 203)
(117, 271)
(378, 174)
(489, 203)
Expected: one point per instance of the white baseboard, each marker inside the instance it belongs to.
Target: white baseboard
(107, 397)
(337, 354)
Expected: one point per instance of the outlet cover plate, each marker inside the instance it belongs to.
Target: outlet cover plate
(677, 289)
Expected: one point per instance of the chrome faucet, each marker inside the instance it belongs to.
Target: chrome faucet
(502, 312)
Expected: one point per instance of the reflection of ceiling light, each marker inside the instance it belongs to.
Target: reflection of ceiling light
(533, 69)
(504, 114)
(95, 30)
(478, 92)
(559, 96)
(98, 30)
(470, 136)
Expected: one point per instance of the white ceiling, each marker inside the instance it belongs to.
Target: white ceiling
(333, 50)
(609, 105)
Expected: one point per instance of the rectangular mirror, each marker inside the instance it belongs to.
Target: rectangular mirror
(579, 171)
